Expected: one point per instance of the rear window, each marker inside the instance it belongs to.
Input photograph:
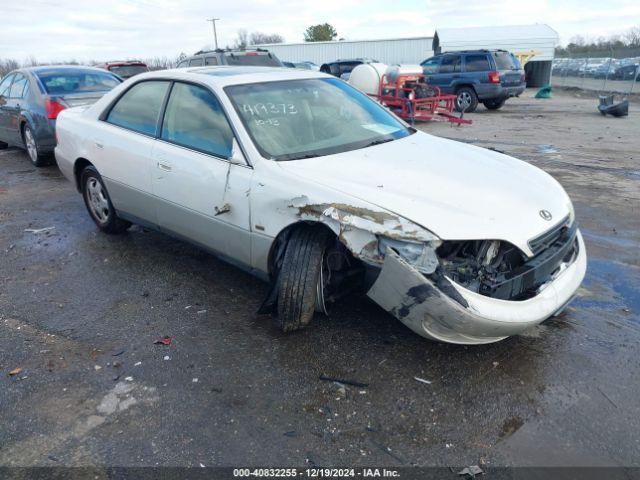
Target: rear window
(76, 81)
(506, 61)
(126, 71)
(476, 63)
(254, 59)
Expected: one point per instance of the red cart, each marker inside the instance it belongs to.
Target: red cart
(411, 98)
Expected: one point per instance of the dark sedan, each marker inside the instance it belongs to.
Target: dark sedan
(31, 99)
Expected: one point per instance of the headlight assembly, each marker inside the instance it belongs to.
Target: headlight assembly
(421, 255)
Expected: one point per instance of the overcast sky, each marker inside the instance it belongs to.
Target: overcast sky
(57, 30)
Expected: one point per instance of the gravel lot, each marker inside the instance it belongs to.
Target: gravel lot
(80, 311)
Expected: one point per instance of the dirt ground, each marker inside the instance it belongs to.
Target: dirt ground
(80, 311)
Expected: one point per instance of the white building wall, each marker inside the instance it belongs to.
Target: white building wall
(539, 38)
(390, 51)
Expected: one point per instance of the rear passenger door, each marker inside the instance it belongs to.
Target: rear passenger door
(13, 107)
(448, 73)
(121, 148)
(201, 194)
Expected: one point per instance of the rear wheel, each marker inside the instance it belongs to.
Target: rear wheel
(99, 204)
(30, 143)
(494, 104)
(302, 278)
(466, 100)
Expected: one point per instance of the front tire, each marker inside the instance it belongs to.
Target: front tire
(31, 145)
(98, 203)
(466, 100)
(494, 104)
(300, 276)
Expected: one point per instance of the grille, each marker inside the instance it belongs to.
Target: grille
(541, 242)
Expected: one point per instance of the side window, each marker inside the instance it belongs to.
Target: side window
(430, 66)
(139, 108)
(18, 86)
(334, 69)
(450, 64)
(476, 63)
(196, 62)
(6, 83)
(211, 61)
(182, 64)
(195, 119)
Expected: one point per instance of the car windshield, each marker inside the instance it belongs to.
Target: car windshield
(252, 59)
(126, 71)
(294, 119)
(76, 81)
(506, 61)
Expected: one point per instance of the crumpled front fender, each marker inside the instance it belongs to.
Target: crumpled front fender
(465, 317)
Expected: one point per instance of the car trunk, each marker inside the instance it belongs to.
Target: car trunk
(511, 73)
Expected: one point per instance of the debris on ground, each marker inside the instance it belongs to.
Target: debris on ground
(471, 471)
(353, 383)
(15, 371)
(544, 92)
(117, 353)
(422, 380)
(167, 357)
(166, 340)
(38, 230)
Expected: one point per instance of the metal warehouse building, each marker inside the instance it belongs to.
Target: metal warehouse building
(392, 50)
(538, 40)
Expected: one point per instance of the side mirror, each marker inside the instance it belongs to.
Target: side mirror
(237, 157)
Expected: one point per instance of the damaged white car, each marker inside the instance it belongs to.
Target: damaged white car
(310, 184)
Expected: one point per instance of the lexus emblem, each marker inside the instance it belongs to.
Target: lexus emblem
(546, 214)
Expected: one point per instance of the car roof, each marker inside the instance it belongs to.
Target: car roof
(224, 75)
(61, 68)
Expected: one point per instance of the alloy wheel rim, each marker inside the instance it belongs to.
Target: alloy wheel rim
(32, 148)
(464, 99)
(97, 200)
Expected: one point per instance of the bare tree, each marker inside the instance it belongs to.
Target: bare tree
(241, 40)
(258, 38)
(632, 37)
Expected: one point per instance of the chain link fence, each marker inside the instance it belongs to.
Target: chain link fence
(617, 72)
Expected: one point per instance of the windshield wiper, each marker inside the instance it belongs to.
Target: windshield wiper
(378, 142)
(298, 157)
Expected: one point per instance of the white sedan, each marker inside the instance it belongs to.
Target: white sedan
(308, 183)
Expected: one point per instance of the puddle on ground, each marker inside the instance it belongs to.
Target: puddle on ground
(546, 149)
(622, 280)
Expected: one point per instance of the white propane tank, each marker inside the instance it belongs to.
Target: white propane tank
(393, 71)
(367, 76)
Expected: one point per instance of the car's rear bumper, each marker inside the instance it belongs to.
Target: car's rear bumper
(498, 92)
(473, 318)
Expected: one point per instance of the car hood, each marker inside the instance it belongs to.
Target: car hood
(457, 191)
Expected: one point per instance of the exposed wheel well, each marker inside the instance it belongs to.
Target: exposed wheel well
(276, 253)
(78, 167)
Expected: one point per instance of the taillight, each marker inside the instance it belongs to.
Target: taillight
(494, 77)
(53, 108)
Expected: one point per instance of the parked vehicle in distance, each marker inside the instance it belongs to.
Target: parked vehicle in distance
(460, 243)
(301, 65)
(255, 58)
(487, 76)
(125, 68)
(31, 99)
(342, 68)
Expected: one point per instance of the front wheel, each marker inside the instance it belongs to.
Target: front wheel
(466, 100)
(301, 280)
(494, 104)
(99, 204)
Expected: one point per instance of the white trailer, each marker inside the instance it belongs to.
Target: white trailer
(393, 50)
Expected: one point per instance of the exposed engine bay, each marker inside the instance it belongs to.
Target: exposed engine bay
(499, 270)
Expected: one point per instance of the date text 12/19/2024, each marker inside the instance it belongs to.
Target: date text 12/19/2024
(316, 472)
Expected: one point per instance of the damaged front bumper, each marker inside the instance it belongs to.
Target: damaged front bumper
(465, 317)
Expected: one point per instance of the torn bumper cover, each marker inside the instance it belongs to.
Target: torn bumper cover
(454, 314)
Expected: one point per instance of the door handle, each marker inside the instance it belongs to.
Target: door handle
(164, 166)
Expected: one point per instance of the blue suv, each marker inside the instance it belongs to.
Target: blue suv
(487, 76)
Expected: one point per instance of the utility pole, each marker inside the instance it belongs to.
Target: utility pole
(215, 35)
